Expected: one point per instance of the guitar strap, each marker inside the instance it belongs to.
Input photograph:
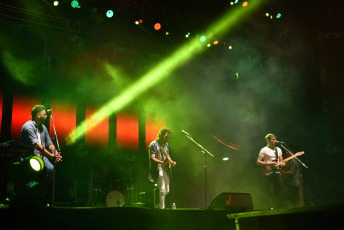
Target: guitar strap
(276, 154)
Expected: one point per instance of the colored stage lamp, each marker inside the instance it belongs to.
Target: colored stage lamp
(202, 38)
(245, 3)
(137, 22)
(36, 163)
(157, 26)
(109, 14)
(216, 42)
(279, 15)
(75, 4)
(56, 3)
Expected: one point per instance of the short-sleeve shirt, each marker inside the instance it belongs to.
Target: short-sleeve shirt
(29, 136)
(269, 155)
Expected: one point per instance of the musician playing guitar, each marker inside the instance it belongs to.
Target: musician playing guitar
(160, 164)
(271, 156)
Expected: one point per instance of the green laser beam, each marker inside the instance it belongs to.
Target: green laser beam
(162, 70)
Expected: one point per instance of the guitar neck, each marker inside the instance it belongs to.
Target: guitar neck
(289, 158)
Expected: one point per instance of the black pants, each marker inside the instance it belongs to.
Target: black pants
(274, 183)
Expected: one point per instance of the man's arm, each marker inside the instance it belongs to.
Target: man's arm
(261, 162)
(44, 151)
(281, 160)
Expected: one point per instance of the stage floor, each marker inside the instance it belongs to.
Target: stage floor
(321, 217)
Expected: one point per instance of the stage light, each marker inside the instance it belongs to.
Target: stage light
(245, 3)
(230, 47)
(56, 3)
(157, 26)
(225, 159)
(137, 23)
(203, 38)
(267, 14)
(36, 163)
(215, 42)
(75, 4)
(208, 45)
(167, 33)
(109, 14)
(161, 71)
(279, 15)
(140, 21)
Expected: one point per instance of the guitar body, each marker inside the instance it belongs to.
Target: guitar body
(270, 170)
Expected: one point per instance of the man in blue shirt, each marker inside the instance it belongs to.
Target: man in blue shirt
(160, 163)
(36, 134)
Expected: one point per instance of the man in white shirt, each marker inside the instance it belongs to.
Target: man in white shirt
(268, 158)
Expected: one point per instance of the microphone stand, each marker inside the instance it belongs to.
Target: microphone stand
(58, 149)
(204, 151)
(293, 155)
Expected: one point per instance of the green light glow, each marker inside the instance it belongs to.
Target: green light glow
(203, 38)
(162, 70)
(109, 13)
(19, 69)
(75, 4)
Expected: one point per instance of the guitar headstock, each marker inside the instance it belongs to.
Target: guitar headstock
(299, 153)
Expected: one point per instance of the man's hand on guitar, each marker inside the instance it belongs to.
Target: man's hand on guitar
(173, 163)
(273, 163)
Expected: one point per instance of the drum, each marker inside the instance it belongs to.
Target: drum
(114, 199)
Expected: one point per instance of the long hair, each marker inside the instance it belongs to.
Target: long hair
(163, 131)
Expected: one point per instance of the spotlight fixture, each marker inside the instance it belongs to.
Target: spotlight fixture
(56, 3)
(203, 38)
(36, 163)
(75, 4)
(109, 14)
(157, 26)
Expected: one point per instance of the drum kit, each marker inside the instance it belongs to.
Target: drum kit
(115, 197)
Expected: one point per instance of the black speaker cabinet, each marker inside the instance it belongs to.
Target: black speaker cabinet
(236, 202)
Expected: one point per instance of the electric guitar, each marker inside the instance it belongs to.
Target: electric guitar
(270, 170)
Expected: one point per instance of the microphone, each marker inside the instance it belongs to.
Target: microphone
(185, 132)
(279, 142)
(49, 110)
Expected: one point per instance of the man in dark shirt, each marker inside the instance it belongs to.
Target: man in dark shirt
(292, 180)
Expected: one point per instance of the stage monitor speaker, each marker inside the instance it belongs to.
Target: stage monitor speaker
(236, 202)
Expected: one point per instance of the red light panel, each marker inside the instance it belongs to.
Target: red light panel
(64, 119)
(127, 131)
(153, 127)
(21, 113)
(98, 135)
